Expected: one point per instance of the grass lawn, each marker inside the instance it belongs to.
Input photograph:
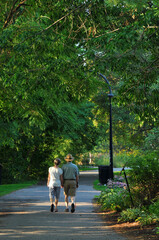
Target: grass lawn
(85, 168)
(8, 188)
(97, 186)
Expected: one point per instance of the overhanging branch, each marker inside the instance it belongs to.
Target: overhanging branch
(44, 30)
(13, 11)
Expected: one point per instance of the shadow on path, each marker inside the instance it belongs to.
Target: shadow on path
(25, 214)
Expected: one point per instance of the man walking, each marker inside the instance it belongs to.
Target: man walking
(71, 177)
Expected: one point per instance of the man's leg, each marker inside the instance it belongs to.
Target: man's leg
(73, 204)
(73, 199)
(72, 194)
(66, 203)
(66, 192)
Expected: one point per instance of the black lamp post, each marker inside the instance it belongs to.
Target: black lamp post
(110, 95)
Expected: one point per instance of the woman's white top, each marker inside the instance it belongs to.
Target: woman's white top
(55, 174)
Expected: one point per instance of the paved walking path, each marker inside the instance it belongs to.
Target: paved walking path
(25, 214)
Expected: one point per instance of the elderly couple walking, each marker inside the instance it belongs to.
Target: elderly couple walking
(65, 177)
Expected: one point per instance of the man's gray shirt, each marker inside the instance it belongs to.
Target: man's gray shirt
(70, 171)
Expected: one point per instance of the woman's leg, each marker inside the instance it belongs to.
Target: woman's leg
(57, 196)
(51, 196)
(56, 203)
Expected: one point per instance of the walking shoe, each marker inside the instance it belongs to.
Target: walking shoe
(72, 208)
(52, 208)
(66, 210)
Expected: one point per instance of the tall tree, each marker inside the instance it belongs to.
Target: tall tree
(50, 54)
(124, 46)
(44, 88)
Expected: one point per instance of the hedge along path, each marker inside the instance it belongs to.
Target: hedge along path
(25, 214)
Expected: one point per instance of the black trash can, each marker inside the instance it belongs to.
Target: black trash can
(104, 174)
(0, 174)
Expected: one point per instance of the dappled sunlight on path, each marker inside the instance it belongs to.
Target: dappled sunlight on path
(43, 225)
(25, 214)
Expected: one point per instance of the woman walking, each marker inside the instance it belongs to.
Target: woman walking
(55, 182)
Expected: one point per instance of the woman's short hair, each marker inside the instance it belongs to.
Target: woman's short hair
(57, 161)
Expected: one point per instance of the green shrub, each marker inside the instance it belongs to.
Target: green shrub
(122, 157)
(147, 219)
(139, 215)
(102, 160)
(144, 178)
(115, 199)
(154, 208)
(130, 214)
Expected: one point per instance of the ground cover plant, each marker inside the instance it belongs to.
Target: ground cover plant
(141, 215)
(114, 195)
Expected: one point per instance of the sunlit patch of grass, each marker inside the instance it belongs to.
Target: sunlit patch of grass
(87, 168)
(8, 188)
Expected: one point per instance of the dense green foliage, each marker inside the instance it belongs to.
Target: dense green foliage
(143, 216)
(141, 204)
(44, 91)
(112, 199)
(127, 51)
(144, 178)
(52, 100)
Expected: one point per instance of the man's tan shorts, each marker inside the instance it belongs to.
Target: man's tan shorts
(70, 187)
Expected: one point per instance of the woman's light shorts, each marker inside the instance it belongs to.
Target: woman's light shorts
(54, 192)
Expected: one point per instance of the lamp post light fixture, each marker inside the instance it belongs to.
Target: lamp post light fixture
(110, 95)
